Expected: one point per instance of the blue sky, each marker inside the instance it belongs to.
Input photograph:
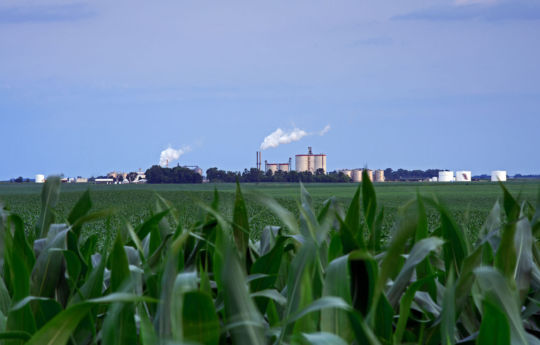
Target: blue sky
(90, 87)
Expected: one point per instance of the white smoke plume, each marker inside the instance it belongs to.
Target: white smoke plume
(279, 137)
(324, 130)
(170, 155)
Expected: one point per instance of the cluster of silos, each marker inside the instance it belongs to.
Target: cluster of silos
(356, 175)
(310, 162)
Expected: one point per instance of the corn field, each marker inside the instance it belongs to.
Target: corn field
(331, 277)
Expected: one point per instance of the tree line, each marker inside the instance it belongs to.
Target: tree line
(256, 175)
(158, 174)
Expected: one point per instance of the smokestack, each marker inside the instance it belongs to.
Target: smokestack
(309, 150)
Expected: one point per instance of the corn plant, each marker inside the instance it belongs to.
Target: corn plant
(332, 277)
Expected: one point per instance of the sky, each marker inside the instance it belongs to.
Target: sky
(88, 87)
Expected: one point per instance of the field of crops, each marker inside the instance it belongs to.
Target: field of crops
(197, 271)
(468, 203)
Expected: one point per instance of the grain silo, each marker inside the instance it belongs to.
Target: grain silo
(310, 162)
(379, 175)
(446, 176)
(463, 176)
(498, 175)
(40, 178)
(357, 175)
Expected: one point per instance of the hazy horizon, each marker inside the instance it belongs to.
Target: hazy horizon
(89, 87)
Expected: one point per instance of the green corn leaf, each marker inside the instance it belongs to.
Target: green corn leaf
(494, 329)
(240, 223)
(15, 335)
(151, 223)
(119, 265)
(363, 272)
(80, 209)
(320, 304)
(506, 257)
(405, 306)
(49, 198)
(183, 283)
(369, 205)
(511, 206)
(242, 315)
(448, 315)
(59, 329)
(456, 246)
(496, 289)
(351, 230)
(48, 268)
(524, 257)
(323, 338)
(418, 253)
(337, 283)
(200, 321)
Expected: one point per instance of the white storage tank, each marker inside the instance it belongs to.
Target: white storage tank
(463, 176)
(320, 162)
(273, 167)
(498, 175)
(370, 174)
(347, 172)
(357, 175)
(40, 178)
(379, 175)
(301, 162)
(283, 167)
(446, 176)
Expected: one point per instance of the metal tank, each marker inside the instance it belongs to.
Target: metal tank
(273, 167)
(320, 162)
(463, 176)
(40, 178)
(357, 175)
(347, 172)
(283, 167)
(446, 176)
(379, 175)
(370, 174)
(301, 162)
(498, 175)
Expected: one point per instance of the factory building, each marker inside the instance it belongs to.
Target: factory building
(498, 175)
(310, 162)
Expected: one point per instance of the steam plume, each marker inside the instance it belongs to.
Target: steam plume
(169, 155)
(279, 137)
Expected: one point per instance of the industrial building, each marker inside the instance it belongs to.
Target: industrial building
(310, 162)
(498, 175)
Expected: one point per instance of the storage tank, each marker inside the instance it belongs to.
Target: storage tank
(283, 167)
(40, 178)
(347, 172)
(301, 162)
(320, 162)
(379, 175)
(498, 175)
(273, 167)
(463, 176)
(357, 175)
(370, 174)
(446, 176)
